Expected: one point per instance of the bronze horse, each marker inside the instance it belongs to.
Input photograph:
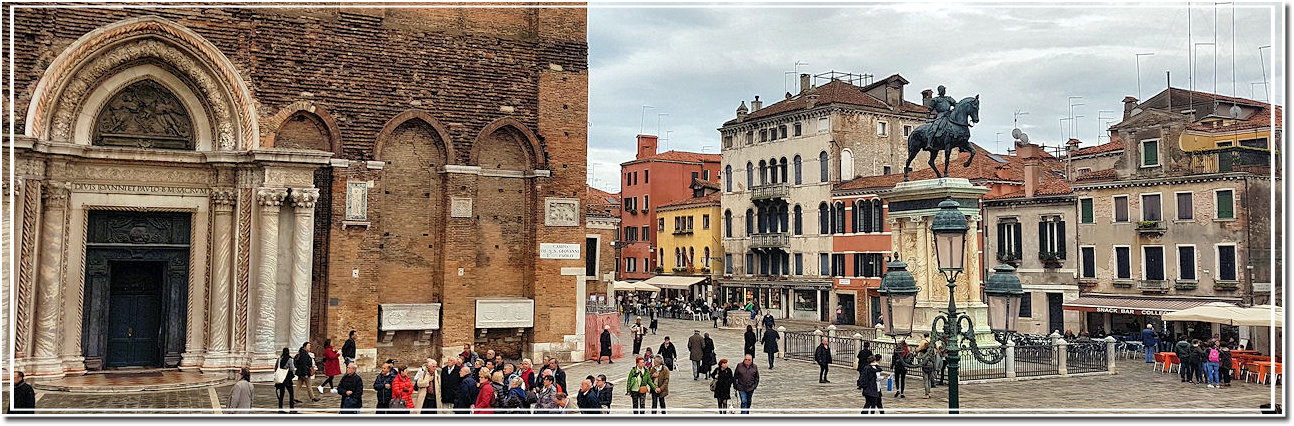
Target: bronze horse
(956, 136)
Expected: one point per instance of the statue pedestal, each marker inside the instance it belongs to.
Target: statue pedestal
(912, 206)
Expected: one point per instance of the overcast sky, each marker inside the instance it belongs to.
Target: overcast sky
(697, 64)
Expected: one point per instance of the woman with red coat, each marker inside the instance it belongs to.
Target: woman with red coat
(484, 395)
(402, 388)
(332, 367)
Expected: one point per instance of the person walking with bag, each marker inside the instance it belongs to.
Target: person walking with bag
(401, 392)
(709, 358)
(721, 381)
(660, 384)
(638, 385)
(747, 379)
(332, 367)
(822, 355)
(424, 386)
(382, 385)
(770, 345)
(351, 390)
(604, 345)
(898, 364)
(283, 375)
(305, 367)
(668, 353)
(867, 382)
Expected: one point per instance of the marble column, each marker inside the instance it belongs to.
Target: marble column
(49, 295)
(6, 238)
(303, 201)
(266, 277)
(223, 200)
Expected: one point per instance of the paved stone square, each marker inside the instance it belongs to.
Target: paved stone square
(790, 387)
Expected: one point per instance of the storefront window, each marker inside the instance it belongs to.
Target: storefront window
(806, 300)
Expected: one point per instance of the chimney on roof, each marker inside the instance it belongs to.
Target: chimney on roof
(646, 146)
(1030, 153)
(741, 111)
(1129, 104)
(788, 95)
(804, 83)
(756, 104)
(926, 95)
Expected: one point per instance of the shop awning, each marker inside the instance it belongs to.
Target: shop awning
(1134, 305)
(634, 286)
(674, 281)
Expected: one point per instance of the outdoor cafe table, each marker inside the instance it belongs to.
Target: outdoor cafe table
(1264, 366)
(1240, 352)
(1169, 358)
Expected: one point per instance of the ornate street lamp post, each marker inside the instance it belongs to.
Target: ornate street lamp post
(1003, 291)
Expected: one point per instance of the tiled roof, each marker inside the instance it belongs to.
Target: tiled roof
(1114, 145)
(691, 157)
(1050, 186)
(1260, 120)
(1107, 174)
(985, 166)
(600, 203)
(712, 198)
(711, 184)
(835, 91)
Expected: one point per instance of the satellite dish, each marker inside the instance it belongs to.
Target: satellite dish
(1015, 133)
(1235, 111)
(1024, 137)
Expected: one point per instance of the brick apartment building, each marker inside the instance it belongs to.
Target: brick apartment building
(652, 179)
(202, 187)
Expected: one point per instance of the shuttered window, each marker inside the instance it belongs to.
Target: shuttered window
(1150, 207)
(1121, 208)
(1086, 206)
(1089, 262)
(1186, 263)
(1008, 241)
(1123, 263)
(1185, 206)
(1226, 263)
(1153, 259)
(1226, 204)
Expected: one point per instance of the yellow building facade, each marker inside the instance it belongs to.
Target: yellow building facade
(688, 234)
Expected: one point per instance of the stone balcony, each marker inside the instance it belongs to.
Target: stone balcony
(770, 240)
(770, 191)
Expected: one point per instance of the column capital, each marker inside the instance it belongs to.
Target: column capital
(271, 197)
(304, 198)
(56, 191)
(224, 196)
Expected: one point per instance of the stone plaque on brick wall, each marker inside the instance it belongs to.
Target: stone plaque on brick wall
(460, 207)
(559, 251)
(505, 313)
(561, 212)
(357, 201)
(409, 316)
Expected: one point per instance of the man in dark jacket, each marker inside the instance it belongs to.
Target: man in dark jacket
(467, 390)
(348, 349)
(1183, 352)
(604, 345)
(709, 359)
(696, 352)
(449, 379)
(24, 397)
(770, 345)
(747, 379)
(604, 391)
(559, 375)
(822, 355)
(587, 399)
(305, 365)
(382, 384)
(668, 352)
(1148, 341)
(351, 390)
(864, 355)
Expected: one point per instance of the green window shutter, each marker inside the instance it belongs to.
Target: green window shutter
(1086, 206)
(1150, 153)
(1001, 240)
(1042, 238)
(1017, 251)
(1226, 205)
(1060, 239)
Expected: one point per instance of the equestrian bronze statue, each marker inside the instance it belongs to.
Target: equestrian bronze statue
(950, 129)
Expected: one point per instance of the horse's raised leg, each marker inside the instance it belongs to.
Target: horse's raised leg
(968, 159)
(947, 154)
(932, 164)
(907, 167)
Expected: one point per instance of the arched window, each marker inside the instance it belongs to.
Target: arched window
(782, 167)
(824, 175)
(799, 220)
(691, 257)
(863, 212)
(761, 219)
(750, 222)
(772, 170)
(144, 115)
(785, 219)
(846, 165)
(878, 215)
(798, 168)
(706, 259)
(750, 175)
(727, 223)
(840, 217)
(727, 178)
(824, 219)
(763, 172)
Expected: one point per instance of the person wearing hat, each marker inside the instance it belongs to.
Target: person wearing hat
(604, 343)
(639, 330)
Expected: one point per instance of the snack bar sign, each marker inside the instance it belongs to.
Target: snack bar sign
(1132, 311)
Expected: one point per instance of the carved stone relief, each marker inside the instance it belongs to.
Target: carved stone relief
(357, 201)
(561, 212)
(144, 115)
(460, 207)
(304, 198)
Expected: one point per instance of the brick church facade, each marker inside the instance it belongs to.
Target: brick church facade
(202, 187)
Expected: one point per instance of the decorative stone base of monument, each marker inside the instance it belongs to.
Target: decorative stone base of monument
(912, 206)
(39, 367)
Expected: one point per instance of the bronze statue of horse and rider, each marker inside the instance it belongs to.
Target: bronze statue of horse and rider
(949, 130)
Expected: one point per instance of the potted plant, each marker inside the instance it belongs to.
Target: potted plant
(1051, 260)
(1226, 286)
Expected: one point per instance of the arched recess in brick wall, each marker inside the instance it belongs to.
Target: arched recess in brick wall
(412, 208)
(506, 205)
(102, 61)
(302, 125)
(419, 115)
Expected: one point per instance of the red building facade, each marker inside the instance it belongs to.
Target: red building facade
(654, 179)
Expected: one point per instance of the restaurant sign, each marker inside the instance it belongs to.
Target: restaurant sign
(1113, 310)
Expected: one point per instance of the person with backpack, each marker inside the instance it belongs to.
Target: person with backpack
(305, 367)
(515, 400)
(864, 356)
(283, 374)
(1214, 356)
(1183, 351)
(899, 365)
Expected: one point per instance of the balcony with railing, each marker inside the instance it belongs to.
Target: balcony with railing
(770, 191)
(770, 240)
(1151, 227)
(1160, 286)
